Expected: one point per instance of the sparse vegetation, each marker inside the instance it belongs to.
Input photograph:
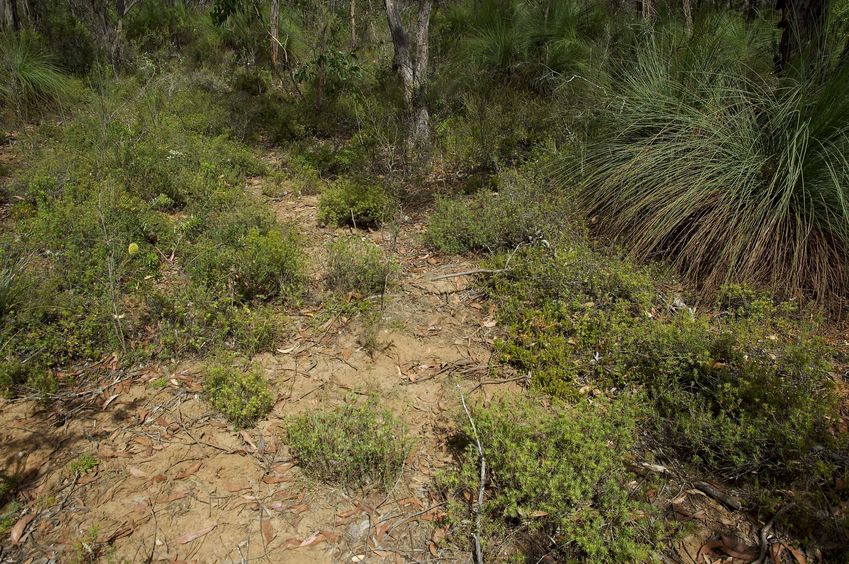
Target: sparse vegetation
(358, 445)
(84, 463)
(654, 197)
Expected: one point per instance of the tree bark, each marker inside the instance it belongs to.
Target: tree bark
(412, 70)
(353, 24)
(647, 10)
(688, 15)
(275, 32)
(803, 32)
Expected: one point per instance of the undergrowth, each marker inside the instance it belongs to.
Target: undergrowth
(358, 445)
(556, 480)
(354, 203)
(357, 266)
(242, 396)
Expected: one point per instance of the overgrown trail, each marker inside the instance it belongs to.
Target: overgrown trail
(176, 482)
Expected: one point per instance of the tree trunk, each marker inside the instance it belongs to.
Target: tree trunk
(648, 10)
(275, 32)
(688, 15)
(803, 32)
(412, 70)
(353, 24)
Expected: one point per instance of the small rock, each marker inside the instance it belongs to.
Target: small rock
(358, 529)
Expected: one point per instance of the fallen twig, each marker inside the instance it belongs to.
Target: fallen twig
(727, 499)
(478, 553)
(483, 383)
(765, 532)
(468, 273)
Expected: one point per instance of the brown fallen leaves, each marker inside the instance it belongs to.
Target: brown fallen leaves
(189, 537)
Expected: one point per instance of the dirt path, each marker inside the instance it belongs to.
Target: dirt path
(175, 482)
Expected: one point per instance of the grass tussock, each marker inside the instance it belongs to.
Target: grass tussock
(29, 79)
(731, 176)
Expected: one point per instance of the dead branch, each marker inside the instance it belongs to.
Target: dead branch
(765, 532)
(468, 273)
(526, 378)
(726, 499)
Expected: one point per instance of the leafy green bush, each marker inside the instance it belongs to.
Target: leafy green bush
(15, 375)
(359, 445)
(29, 80)
(357, 265)
(525, 209)
(746, 396)
(262, 262)
(354, 203)
(556, 477)
(242, 397)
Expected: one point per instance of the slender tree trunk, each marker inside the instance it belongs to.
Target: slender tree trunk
(803, 25)
(647, 10)
(16, 20)
(353, 24)
(688, 15)
(412, 70)
(275, 32)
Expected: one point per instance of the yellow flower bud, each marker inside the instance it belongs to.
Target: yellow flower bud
(133, 249)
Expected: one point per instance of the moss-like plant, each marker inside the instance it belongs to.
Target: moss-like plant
(556, 477)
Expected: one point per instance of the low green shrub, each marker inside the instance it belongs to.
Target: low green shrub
(746, 396)
(556, 478)
(84, 463)
(354, 203)
(357, 265)
(354, 445)
(524, 209)
(247, 255)
(241, 396)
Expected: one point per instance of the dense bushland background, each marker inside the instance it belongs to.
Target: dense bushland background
(660, 193)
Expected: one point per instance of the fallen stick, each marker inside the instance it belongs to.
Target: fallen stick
(478, 552)
(728, 500)
(765, 531)
(483, 383)
(468, 273)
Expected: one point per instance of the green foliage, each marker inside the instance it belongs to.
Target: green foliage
(353, 445)
(746, 396)
(357, 265)
(556, 477)
(731, 175)
(525, 209)
(528, 43)
(29, 80)
(68, 39)
(355, 203)
(243, 397)
(84, 463)
(261, 263)
(16, 376)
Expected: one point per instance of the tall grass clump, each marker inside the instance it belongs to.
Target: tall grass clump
(28, 76)
(730, 175)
